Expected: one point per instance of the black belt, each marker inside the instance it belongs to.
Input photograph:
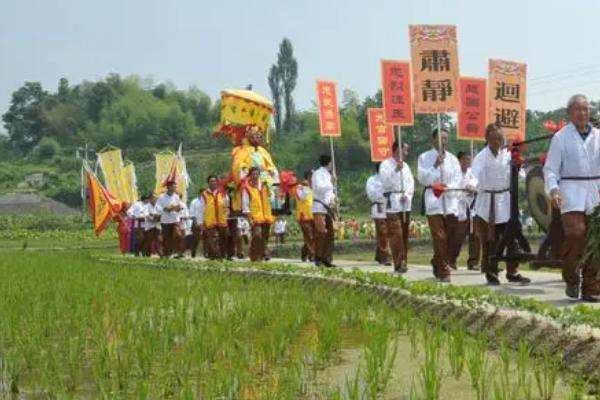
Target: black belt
(423, 199)
(579, 178)
(388, 196)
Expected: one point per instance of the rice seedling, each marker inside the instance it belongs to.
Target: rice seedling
(478, 367)
(456, 338)
(546, 370)
(430, 373)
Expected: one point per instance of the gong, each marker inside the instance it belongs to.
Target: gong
(539, 204)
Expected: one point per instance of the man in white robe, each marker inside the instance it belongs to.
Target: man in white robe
(398, 187)
(440, 168)
(572, 180)
(324, 203)
(375, 195)
(491, 170)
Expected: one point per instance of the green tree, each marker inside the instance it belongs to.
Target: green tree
(275, 86)
(46, 149)
(24, 120)
(288, 71)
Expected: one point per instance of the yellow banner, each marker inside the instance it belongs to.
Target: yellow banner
(111, 162)
(130, 181)
(164, 162)
(103, 206)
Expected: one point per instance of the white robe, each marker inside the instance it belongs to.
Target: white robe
(465, 199)
(492, 173)
(570, 156)
(323, 193)
(428, 175)
(397, 183)
(375, 195)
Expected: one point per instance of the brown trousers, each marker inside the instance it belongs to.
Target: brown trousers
(382, 249)
(488, 248)
(138, 241)
(151, 242)
(172, 239)
(462, 232)
(216, 240)
(196, 239)
(575, 225)
(257, 241)
(405, 235)
(324, 238)
(234, 239)
(308, 234)
(395, 231)
(443, 230)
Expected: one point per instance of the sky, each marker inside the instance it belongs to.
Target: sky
(230, 43)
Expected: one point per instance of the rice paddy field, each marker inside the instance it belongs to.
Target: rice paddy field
(72, 326)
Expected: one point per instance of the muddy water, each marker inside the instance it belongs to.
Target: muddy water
(405, 376)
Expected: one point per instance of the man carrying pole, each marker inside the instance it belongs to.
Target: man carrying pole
(440, 167)
(324, 206)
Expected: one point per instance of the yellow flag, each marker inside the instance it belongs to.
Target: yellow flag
(103, 205)
(130, 181)
(111, 162)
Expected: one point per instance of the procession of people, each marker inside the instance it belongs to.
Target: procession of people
(465, 198)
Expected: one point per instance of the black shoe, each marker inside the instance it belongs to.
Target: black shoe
(317, 262)
(590, 298)
(454, 267)
(492, 279)
(329, 265)
(401, 270)
(473, 268)
(444, 279)
(387, 263)
(572, 291)
(518, 278)
(240, 256)
(303, 258)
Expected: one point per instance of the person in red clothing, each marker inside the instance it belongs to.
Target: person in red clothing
(123, 228)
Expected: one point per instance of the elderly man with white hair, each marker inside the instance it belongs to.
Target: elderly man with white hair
(572, 180)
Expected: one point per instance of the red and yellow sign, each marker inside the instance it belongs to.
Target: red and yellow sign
(434, 53)
(329, 115)
(103, 205)
(472, 112)
(507, 100)
(381, 135)
(396, 90)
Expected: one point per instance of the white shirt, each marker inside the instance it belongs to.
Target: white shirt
(570, 156)
(374, 190)
(302, 192)
(322, 187)
(465, 199)
(280, 226)
(136, 211)
(428, 175)
(185, 221)
(164, 201)
(397, 183)
(149, 217)
(492, 173)
(197, 210)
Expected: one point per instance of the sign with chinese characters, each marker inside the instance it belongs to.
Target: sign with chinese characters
(381, 135)
(329, 116)
(396, 91)
(507, 97)
(472, 112)
(434, 53)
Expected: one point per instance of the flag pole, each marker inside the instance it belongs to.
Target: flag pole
(336, 188)
(398, 129)
(440, 151)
